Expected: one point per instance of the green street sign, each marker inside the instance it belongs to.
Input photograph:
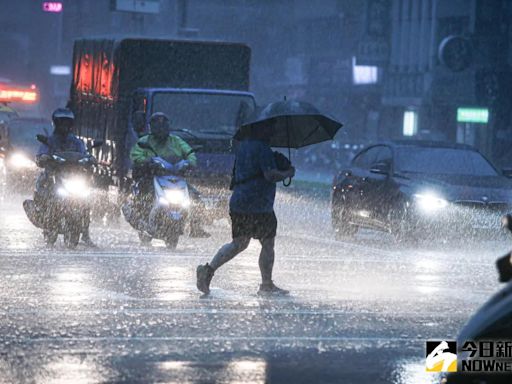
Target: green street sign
(473, 115)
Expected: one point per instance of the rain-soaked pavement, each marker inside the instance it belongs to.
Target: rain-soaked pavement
(359, 312)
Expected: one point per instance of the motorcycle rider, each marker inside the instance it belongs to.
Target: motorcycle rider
(172, 148)
(62, 140)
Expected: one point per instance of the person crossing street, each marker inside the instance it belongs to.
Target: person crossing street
(251, 209)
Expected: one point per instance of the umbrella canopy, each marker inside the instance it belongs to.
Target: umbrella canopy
(297, 124)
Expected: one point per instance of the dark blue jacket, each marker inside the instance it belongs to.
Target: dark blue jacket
(252, 193)
(58, 143)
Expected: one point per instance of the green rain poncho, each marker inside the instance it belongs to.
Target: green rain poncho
(173, 147)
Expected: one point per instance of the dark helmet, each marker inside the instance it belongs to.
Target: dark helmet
(62, 114)
(63, 119)
(160, 125)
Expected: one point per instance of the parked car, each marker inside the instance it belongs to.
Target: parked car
(415, 188)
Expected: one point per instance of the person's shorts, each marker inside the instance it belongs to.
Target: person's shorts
(254, 225)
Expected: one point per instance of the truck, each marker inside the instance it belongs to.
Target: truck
(203, 86)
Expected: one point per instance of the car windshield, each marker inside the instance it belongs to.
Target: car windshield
(22, 133)
(202, 112)
(449, 161)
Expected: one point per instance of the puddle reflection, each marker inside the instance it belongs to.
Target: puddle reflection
(71, 287)
(413, 372)
(241, 371)
(72, 369)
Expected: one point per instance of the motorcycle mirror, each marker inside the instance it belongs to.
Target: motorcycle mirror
(42, 138)
(97, 143)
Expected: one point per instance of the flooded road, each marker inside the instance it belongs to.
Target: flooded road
(359, 311)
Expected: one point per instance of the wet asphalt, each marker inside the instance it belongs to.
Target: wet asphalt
(360, 311)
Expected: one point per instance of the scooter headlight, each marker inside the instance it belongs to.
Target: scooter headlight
(429, 202)
(75, 187)
(19, 160)
(177, 197)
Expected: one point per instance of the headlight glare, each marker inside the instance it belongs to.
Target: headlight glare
(75, 187)
(177, 197)
(20, 160)
(430, 202)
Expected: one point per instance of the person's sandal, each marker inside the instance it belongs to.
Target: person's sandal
(270, 289)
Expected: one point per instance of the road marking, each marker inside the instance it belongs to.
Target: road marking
(214, 311)
(213, 339)
(395, 258)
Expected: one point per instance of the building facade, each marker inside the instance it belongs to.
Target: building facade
(448, 75)
(385, 68)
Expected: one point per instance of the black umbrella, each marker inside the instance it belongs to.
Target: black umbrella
(297, 124)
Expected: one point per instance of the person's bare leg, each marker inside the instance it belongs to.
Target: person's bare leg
(228, 251)
(266, 263)
(266, 260)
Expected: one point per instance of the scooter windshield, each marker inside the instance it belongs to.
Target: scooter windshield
(70, 156)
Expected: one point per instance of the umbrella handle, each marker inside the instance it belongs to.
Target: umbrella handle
(287, 183)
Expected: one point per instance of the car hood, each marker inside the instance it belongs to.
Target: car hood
(462, 187)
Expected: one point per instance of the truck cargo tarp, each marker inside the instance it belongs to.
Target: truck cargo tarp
(93, 69)
(108, 68)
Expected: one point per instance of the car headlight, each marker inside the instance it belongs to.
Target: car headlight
(20, 160)
(429, 202)
(177, 197)
(76, 187)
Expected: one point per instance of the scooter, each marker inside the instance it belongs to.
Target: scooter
(493, 321)
(65, 210)
(167, 215)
